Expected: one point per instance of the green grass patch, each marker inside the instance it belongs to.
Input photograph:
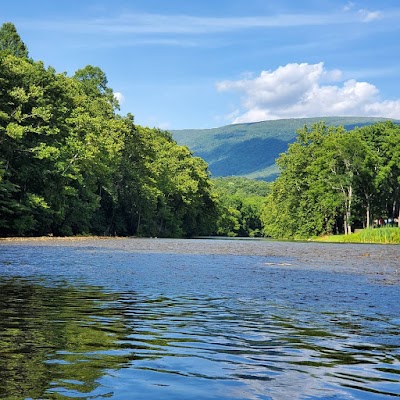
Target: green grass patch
(371, 235)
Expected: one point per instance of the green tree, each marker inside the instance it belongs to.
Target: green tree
(391, 181)
(94, 82)
(302, 204)
(347, 156)
(241, 201)
(384, 139)
(69, 164)
(185, 205)
(331, 177)
(251, 215)
(10, 41)
(30, 96)
(228, 223)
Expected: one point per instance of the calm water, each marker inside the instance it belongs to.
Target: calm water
(166, 319)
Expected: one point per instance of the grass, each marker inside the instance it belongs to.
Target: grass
(371, 235)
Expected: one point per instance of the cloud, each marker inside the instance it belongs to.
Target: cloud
(127, 29)
(120, 97)
(306, 90)
(155, 24)
(349, 6)
(368, 16)
(364, 15)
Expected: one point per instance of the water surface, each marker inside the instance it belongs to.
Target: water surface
(198, 319)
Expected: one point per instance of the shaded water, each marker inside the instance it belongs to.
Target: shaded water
(166, 319)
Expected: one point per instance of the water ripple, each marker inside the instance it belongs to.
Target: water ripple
(179, 326)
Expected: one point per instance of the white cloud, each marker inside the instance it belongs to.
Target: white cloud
(186, 24)
(349, 6)
(153, 24)
(363, 14)
(368, 16)
(120, 97)
(306, 90)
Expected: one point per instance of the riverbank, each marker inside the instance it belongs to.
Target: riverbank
(390, 235)
(372, 235)
(374, 260)
(57, 238)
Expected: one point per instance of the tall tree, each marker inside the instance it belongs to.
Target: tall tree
(69, 164)
(386, 137)
(331, 176)
(301, 203)
(348, 158)
(11, 42)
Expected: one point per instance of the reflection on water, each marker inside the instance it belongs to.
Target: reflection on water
(56, 337)
(93, 323)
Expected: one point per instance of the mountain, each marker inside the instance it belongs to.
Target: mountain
(250, 149)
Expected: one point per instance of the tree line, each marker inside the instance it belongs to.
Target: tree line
(70, 164)
(240, 204)
(333, 181)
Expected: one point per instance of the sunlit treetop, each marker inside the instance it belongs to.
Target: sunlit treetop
(11, 42)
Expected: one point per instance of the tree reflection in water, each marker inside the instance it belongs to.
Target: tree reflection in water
(179, 326)
(57, 338)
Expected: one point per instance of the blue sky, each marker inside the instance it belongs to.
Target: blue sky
(205, 63)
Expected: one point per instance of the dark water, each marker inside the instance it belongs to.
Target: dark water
(142, 319)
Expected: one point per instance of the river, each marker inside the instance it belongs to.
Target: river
(198, 319)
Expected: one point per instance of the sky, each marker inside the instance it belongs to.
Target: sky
(177, 64)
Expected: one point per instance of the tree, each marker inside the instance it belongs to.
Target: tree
(240, 202)
(384, 137)
(69, 164)
(330, 177)
(94, 82)
(347, 157)
(31, 106)
(10, 41)
(392, 147)
(301, 204)
(186, 205)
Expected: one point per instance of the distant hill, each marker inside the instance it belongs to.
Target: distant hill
(250, 150)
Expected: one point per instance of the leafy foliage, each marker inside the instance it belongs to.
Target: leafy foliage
(241, 201)
(250, 150)
(333, 180)
(10, 41)
(69, 164)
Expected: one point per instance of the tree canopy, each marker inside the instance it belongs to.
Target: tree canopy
(11, 42)
(333, 180)
(70, 164)
(240, 203)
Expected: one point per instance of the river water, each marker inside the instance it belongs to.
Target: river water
(198, 319)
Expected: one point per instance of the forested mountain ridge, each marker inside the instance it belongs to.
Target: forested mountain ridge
(250, 149)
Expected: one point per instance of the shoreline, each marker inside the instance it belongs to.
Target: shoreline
(60, 238)
(340, 257)
(328, 239)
